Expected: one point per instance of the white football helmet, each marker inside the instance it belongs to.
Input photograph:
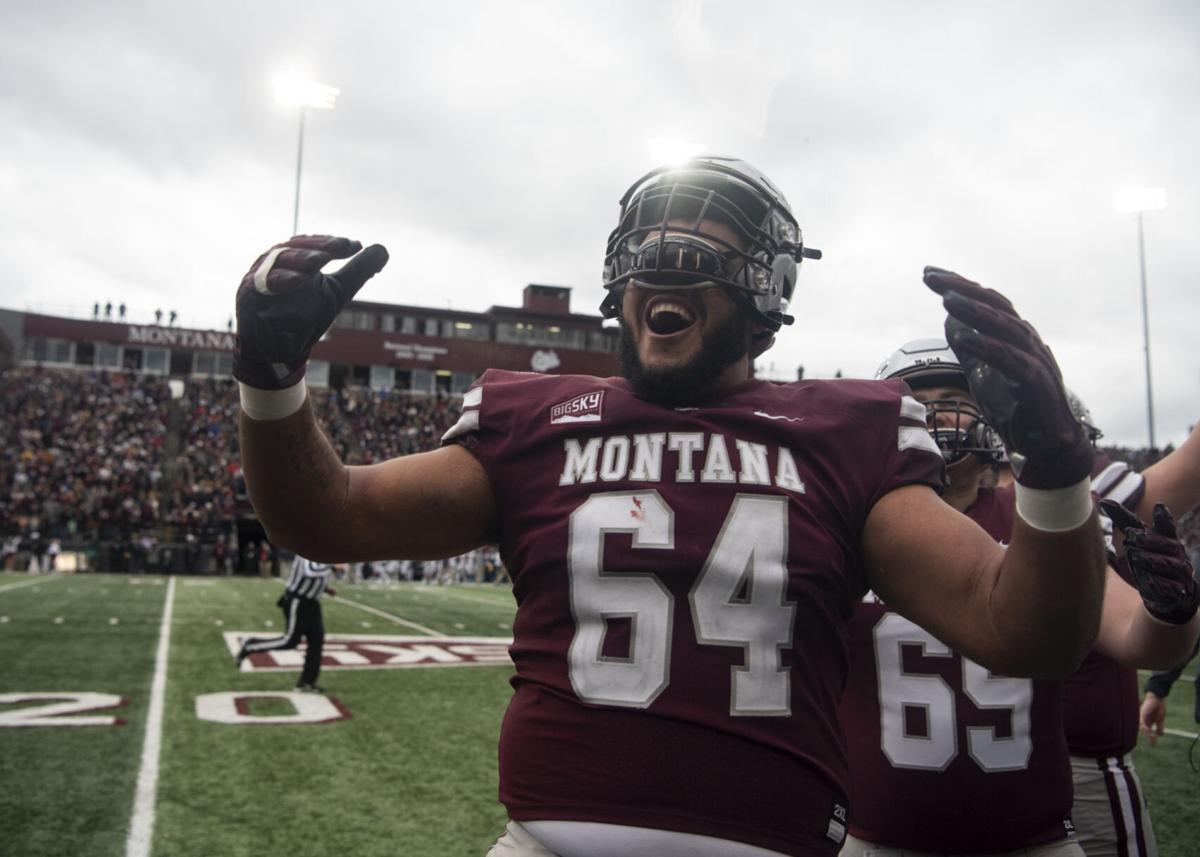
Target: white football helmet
(963, 429)
(1081, 412)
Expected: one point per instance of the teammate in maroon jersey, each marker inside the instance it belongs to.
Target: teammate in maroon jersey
(979, 758)
(1100, 701)
(686, 543)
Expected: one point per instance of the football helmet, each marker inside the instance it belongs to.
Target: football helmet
(959, 428)
(660, 240)
(1081, 412)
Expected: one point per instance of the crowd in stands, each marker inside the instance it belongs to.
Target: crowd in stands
(110, 463)
(82, 455)
(366, 427)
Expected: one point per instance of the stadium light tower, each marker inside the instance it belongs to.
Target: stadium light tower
(296, 91)
(1139, 200)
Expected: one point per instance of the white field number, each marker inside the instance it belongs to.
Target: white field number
(739, 599)
(230, 708)
(899, 690)
(59, 709)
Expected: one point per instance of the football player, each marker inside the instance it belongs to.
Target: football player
(1100, 701)
(979, 755)
(686, 542)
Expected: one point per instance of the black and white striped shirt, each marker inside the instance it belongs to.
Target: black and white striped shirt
(308, 579)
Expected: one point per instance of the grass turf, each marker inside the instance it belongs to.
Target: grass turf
(411, 772)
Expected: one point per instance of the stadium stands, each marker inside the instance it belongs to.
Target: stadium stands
(110, 466)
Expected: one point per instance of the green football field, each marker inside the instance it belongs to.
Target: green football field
(123, 740)
(395, 761)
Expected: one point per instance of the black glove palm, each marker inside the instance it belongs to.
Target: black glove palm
(285, 304)
(1159, 563)
(1016, 381)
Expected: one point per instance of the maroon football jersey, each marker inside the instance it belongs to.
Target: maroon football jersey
(1100, 708)
(944, 755)
(683, 578)
(1100, 701)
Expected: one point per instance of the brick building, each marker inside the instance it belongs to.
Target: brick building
(383, 346)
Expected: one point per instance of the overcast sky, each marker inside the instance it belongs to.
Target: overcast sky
(143, 158)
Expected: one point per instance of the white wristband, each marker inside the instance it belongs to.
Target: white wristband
(272, 404)
(1055, 510)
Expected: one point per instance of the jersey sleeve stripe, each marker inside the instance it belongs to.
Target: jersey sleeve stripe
(473, 398)
(1124, 489)
(917, 438)
(466, 424)
(911, 409)
(1108, 477)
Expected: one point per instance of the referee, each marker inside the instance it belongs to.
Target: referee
(301, 607)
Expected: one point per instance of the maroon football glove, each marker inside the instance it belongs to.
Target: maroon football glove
(285, 304)
(1159, 563)
(1016, 381)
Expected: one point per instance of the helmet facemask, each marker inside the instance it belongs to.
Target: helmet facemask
(665, 238)
(964, 430)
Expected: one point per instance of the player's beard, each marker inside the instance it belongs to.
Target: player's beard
(720, 347)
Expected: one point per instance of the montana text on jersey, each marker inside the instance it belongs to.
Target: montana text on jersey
(711, 561)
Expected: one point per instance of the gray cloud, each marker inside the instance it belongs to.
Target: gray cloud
(486, 144)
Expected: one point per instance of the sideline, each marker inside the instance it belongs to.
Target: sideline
(47, 578)
(141, 825)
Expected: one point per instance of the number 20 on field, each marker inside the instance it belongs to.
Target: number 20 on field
(80, 709)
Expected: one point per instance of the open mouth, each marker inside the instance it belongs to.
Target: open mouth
(666, 316)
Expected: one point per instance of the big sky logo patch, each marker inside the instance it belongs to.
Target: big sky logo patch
(581, 409)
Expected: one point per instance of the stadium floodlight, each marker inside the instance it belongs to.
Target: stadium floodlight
(1133, 200)
(298, 91)
(1139, 200)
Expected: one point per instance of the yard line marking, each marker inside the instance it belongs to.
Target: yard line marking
(1180, 733)
(390, 617)
(6, 587)
(463, 596)
(141, 825)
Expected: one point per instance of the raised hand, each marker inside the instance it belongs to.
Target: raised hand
(1161, 571)
(285, 304)
(1016, 381)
